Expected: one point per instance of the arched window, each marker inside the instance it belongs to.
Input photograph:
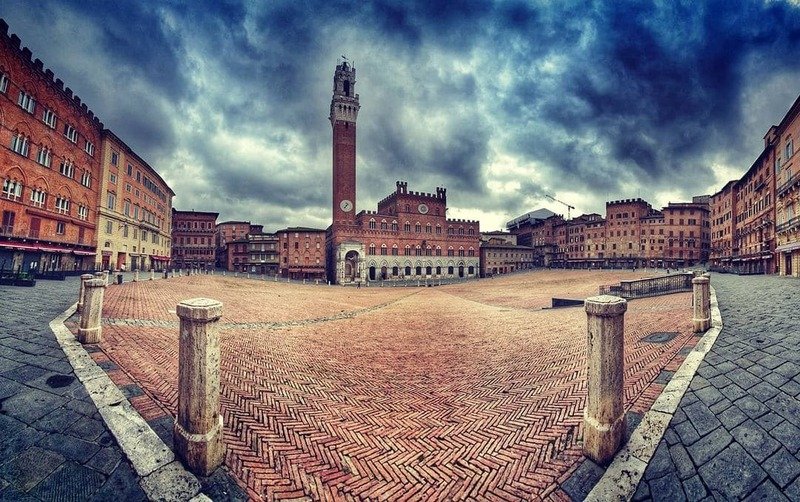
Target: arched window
(428, 251)
(460, 230)
(407, 226)
(408, 250)
(418, 250)
(372, 248)
(428, 228)
(12, 189)
(471, 252)
(394, 226)
(383, 249)
(438, 229)
(460, 250)
(471, 232)
(450, 251)
(417, 227)
(372, 224)
(384, 225)
(438, 251)
(20, 144)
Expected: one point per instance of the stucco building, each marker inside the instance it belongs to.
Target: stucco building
(193, 243)
(408, 237)
(787, 192)
(50, 167)
(500, 254)
(135, 212)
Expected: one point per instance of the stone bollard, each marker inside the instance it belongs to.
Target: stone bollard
(304, 281)
(84, 278)
(119, 277)
(166, 274)
(702, 298)
(198, 428)
(106, 273)
(248, 275)
(287, 280)
(604, 415)
(152, 274)
(135, 276)
(90, 330)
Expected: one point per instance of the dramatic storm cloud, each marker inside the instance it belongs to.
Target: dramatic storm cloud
(500, 102)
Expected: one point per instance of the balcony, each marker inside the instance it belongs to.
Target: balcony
(788, 225)
(789, 184)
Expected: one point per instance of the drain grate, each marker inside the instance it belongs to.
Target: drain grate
(660, 337)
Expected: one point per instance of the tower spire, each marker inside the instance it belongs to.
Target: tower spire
(344, 112)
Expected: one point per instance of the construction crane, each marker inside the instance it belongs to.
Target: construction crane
(569, 208)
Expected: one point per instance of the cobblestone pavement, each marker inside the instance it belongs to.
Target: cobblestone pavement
(736, 433)
(54, 445)
(395, 393)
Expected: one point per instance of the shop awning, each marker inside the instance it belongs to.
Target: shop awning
(788, 247)
(159, 258)
(84, 253)
(21, 247)
(49, 249)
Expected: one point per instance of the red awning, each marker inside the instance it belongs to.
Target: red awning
(22, 247)
(159, 258)
(84, 253)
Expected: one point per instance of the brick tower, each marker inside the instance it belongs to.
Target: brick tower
(344, 111)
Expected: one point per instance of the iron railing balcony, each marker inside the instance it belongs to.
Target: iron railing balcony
(788, 225)
(786, 186)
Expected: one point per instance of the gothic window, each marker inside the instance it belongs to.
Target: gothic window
(372, 224)
(407, 227)
(394, 226)
(384, 225)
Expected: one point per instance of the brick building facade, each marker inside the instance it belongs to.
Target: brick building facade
(193, 242)
(408, 237)
(302, 253)
(49, 165)
(227, 232)
(723, 227)
(632, 234)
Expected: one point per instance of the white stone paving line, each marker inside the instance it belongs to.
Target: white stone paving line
(626, 470)
(161, 476)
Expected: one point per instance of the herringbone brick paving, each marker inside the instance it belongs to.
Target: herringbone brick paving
(448, 393)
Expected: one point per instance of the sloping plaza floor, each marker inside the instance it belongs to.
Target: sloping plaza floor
(466, 391)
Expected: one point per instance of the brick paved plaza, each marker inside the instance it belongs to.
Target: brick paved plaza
(455, 392)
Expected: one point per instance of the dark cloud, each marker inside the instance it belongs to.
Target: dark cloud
(501, 102)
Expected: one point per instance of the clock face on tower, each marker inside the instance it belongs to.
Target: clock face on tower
(423, 209)
(346, 206)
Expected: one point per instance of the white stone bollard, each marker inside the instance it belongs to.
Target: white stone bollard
(135, 276)
(304, 281)
(287, 280)
(248, 275)
(90, 330)
(276, 277)
(702, 300)
(84, 278)
(198, 428)
(106, 273)
(152, 274)
(604, 415)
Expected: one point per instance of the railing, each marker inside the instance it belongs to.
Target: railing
(787, 225)
(653, 286)
(785, 186)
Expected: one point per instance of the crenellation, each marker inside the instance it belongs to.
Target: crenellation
(27, 54)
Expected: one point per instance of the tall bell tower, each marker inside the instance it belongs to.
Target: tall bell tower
(344, 111)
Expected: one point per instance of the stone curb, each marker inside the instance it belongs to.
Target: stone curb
(626, 470)
(161, 476)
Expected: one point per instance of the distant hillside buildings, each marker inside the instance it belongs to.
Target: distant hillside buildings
(632, 234)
